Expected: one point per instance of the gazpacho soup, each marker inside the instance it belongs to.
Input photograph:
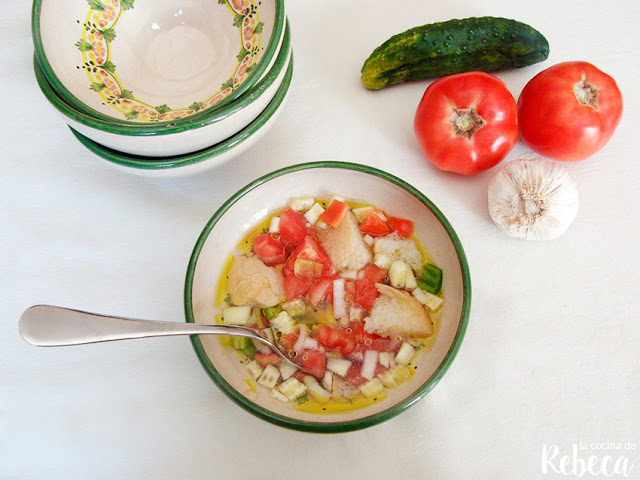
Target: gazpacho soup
(345, 289)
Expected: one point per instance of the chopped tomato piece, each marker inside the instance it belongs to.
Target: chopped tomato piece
(349, 291)
(366, 291)
(359, 334)
(294, 286)
(288, 341)
(335, 339)
(375, 223)
(310, 249)
(265, 359)
(270, 249)
(379, 345)
(293, 227)
(354, 377)
(313, 362)
(307, 268)
(321, 291)
(402, 226)
(334, 214)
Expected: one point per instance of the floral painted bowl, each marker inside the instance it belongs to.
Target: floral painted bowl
(147, 62)
(169, 139)
(202, 160)
(255, 202)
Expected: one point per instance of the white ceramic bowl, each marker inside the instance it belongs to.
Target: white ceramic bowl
(240, 213)
(166, 139)
(202, 160)
(149, 61)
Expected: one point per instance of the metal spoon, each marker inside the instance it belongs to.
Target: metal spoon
(50, 326)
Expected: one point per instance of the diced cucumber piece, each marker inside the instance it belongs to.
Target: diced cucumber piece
(301, 204)
(284, 323)
(372, 388)
(382, 260)
(254, 369)
(275, 393)
(430, 278)
(292, 388)
(405, 354)
(244, 344)
(361, 213)
(384, 359)
(429, 300)
(349, 274)
(270, 376)
(369, 240)
(316, 391)
(401, 275)
(236, 315)
(339, 366)
(295, 307)
(286, 370)
(271, 312)
(313, 213)
(395, 376)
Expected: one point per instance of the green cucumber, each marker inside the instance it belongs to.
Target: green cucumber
(455, 46)
(244, 344)
(430, 279)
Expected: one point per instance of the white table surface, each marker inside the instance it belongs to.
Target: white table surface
(552, 351)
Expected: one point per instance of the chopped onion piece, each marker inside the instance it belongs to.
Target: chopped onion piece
(369, 364)
(274, 225)
(310, 344)
(339, 366)
(303, 336)
(339, 306)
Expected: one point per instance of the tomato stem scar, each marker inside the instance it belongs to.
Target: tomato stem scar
(465, 122)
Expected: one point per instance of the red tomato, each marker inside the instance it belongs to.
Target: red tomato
(403, 226)
(334, 214)
(335, 339)
(321, 291)
(294, 286)
(265, 359)
(289, 340)
(569, 111)
(293, 227)
(467, 123)
(375, 223)
(359, 334)
(313, 362)
(310, 249)
(354, 377)
(366, 291)
(270, 249)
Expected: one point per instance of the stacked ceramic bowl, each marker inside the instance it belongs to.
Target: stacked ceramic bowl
(164, 88)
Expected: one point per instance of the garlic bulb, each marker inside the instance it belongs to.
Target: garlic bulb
(533, 199)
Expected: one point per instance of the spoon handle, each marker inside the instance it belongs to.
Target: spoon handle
(51, 326)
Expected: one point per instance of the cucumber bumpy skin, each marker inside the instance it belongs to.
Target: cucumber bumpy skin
(455, 46)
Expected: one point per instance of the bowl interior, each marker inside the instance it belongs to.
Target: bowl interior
(201, 160)
(356, 182)
(145, 61)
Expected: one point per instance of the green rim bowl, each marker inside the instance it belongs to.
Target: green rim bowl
(178, 139)
(202, 160)
(238, 215)
(179, 50)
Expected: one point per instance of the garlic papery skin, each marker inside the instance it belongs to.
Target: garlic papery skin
(533, 199)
